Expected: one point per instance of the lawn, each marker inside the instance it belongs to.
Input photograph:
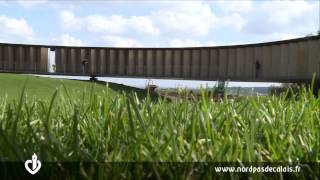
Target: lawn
(11, 85)
(114, 127)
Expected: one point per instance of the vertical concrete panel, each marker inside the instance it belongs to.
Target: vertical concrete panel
(284, 61)
(302, 63)
(214, 64)
(16, 58)
(5, 58)
(140, 62)
(249, 63)
(159, 63)
(37, 59)
(20, 55)
(275, 61)
(93, 60)
(231, 73)
(313, 60)
(87, 55)
(97, 64)
(126, 61)
(10, 58)
(77, 61)
(57, 60)
(150, 60)
(144, 62)
(177, 63)
(32, 58)
(1, 58)
(293, 59)
(195, 63)
(102, 62)
(266, 62)
(204, 63)
(113, 63)
(59, 66)
(121, 61)
(186, 63)
(72, 60)
(317, 63)
(168, 63)
(82, 59)
(223, 63)
(131, 62)
(45, 59)
(64, 61)
(43, 64)
(67, 60)
(240, 63)
(258, 63)
(107, 61)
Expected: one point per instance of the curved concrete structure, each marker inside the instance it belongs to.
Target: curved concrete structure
(283, 61)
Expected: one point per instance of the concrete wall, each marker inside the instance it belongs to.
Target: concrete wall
(23, 58)
(290, 60)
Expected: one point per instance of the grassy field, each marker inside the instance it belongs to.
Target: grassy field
(120, 127)
(41, 87)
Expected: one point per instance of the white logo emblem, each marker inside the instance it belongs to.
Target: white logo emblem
(36, 165)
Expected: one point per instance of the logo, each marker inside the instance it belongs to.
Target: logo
(36, 165)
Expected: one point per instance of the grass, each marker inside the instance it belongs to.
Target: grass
(42, 87)
(121, 127)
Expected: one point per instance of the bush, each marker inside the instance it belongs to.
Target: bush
(291, 89)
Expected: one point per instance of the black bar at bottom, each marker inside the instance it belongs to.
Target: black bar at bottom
(161, 170)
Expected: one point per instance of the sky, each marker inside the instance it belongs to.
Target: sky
(152, 23)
